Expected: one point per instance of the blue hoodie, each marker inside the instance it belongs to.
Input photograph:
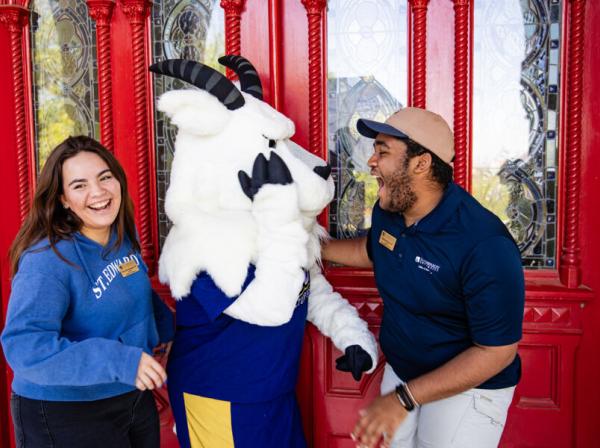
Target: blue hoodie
(76, 332)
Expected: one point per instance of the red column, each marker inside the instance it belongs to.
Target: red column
(101, 12)
(15, 168)
(570, 273)
(233, 12)
(462, 90)
(316, 77)
(419, 53)
(15, 18)
(136, 12)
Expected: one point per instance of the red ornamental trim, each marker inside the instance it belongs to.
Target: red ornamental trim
(419, 38)
(314, 11)
(461, 90)
(15, 18)
(275, 60)
(548, 314)
(569, 268)
(233, 41)
(314, 6)
(369, 310)
(101, 12)
(137, 11)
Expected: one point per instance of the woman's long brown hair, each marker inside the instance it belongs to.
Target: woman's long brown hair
(47, 218)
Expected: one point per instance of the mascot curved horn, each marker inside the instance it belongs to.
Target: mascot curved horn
(249, 80)
(203, 77)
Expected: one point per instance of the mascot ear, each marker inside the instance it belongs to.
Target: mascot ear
(195, 111)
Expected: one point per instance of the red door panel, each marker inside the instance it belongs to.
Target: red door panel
(556, 402)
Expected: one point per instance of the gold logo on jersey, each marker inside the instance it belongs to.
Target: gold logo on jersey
(387, 240)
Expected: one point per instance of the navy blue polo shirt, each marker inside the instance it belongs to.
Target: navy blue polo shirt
(449, 281)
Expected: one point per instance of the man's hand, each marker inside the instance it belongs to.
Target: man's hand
(379, 421)
(150, 374)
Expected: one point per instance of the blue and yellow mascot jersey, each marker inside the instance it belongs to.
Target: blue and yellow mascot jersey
(232, 383)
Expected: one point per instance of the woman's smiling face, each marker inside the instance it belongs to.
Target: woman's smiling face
(91, 192)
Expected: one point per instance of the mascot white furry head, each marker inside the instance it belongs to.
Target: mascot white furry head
(221, 133)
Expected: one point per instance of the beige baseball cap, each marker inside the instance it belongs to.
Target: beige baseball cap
(426, 128)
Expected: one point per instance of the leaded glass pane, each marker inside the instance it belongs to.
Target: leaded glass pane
(63, 38)
(184, 29)
(366, 78)
(515, 119)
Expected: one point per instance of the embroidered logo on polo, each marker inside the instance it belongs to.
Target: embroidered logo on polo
(124, 266)
(426, 265)
(305, 291)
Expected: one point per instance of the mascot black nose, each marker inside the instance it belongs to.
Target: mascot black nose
(323, 171)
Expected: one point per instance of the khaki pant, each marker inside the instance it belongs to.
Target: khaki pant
(472, 419)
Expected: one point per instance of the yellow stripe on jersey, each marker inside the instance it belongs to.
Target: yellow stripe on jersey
(209, 422)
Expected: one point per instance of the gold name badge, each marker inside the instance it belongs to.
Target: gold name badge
(387, 240)
(128, 268)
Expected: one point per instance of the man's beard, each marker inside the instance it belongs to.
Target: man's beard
(401, 196)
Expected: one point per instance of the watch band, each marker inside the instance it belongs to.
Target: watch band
(405, 398)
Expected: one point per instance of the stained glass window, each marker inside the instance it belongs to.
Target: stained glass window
(515, 119)
(366, 78)
(187, 29)
(65, 87)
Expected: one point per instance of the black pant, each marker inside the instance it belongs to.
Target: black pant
(125, 421)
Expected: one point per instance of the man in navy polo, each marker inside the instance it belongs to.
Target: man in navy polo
(452, 285)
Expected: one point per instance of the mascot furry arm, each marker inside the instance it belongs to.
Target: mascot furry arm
(242, 193)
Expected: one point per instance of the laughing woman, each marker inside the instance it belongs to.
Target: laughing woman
(82, 318)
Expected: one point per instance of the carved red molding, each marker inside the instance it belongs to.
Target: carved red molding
(461, 90)
(570, 272)
(314, 7)
(314, 11)
(275, 53)
(369, 310)
(419, 51)
(101, 12)
(15, 18)
(136, 12)
(233, 41)
(547, 314)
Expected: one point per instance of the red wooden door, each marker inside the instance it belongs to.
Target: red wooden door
(309, 53)
(75, 68)
(460, 58)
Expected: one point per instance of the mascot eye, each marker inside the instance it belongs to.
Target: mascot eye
(272, 143)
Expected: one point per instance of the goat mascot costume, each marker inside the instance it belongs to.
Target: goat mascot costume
(241, 260)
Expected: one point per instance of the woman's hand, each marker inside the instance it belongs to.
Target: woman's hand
(150, 373)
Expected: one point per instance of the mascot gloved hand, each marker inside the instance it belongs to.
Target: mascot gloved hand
(273, 171)
(242, 261)
(355, 360)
